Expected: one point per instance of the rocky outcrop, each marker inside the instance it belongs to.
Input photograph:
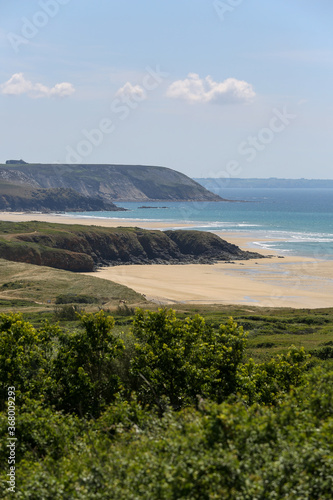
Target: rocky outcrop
(51, 257)
(83, 248)
(204, 245)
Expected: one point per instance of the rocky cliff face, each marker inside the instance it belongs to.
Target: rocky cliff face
(83, 248)
(51, 257)
(112, 182)
(16, 198)
(202, 245)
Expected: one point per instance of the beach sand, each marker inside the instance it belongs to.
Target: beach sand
(290, 282)
(297, 282)
(87, 221)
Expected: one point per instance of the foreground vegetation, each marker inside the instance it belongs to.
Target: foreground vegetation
(168, 407)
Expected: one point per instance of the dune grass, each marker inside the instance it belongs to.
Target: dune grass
(42, 285)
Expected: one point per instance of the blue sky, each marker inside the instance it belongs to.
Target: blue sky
(230, 88)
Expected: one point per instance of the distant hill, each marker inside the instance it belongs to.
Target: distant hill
(272, 182)
(111, 183)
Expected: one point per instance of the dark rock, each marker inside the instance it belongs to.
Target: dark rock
(16, 162)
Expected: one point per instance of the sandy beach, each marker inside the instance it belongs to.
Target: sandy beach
(88, 221)
(297, 282)
(290, 282)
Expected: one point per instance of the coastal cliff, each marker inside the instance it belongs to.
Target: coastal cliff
(110, 183)
(18, 198)
(84, 248)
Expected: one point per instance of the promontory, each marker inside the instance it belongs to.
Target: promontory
(92, 187)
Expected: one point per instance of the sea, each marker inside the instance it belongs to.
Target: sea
(292, 221)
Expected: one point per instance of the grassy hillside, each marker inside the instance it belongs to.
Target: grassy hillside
(112, 182)
(23, 286)
(82, 248)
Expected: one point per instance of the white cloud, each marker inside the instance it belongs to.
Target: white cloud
(18, 85)
(131, 91)
(202, 90)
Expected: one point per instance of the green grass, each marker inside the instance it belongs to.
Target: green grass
(272, 331)
(41, 286)
(7, 227)
(16, 303)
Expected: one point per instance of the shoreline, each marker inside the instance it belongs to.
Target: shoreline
(288, 281)
(243, 239)
(294, 282)
(89, 220)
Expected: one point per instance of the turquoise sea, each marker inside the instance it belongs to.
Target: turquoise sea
(299, 221)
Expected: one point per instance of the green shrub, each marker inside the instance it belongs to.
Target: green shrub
(183, 359)
(41, 432)
(25, 357)
(67, 312)
(83, 368)
(268, 382)
(224, 451)
(325, 352)
(72, 298)
(124, 310)
(269, 439)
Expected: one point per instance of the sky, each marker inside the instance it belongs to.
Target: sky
(211, 88)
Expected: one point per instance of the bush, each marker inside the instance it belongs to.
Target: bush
(270, 438)
(25, 357)
(124, 310)
(325, 352)
(181, 359)
(42, 432)
(224, 451)
(83, 368)
(67, 312)
(268, 382)
(71, 298)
